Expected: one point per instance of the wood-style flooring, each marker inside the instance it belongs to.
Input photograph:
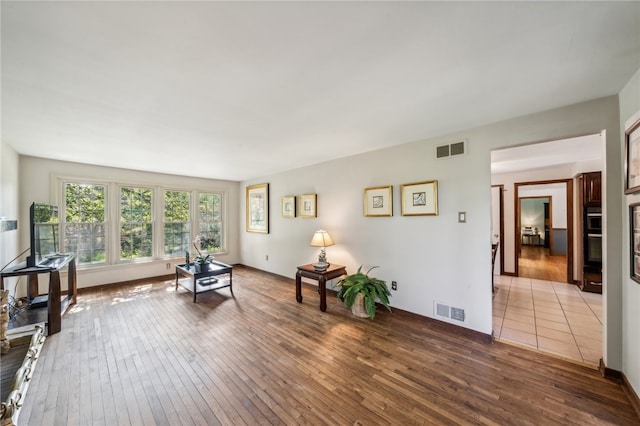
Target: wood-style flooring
(536, 262)
(146, 354)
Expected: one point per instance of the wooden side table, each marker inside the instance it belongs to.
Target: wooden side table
(307, 271)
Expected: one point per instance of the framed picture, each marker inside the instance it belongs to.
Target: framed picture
(634, 227)
(378, 201)
(632, 158)
(420, 198)
(258, 208)
(308, 205)
(289, 206)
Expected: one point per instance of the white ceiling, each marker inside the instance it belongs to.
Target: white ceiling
(584, 149)
(238, 90)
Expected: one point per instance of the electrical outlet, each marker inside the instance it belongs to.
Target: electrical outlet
(266, 257)
(394, 285)
(168, 265)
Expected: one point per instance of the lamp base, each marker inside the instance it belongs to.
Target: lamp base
(320, 266)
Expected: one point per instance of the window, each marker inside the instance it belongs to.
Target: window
(85, 226)
(176, 221)
(210, 232)
(136, 223)
(109, 223)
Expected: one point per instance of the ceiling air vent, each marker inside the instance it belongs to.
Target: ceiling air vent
(451, 150)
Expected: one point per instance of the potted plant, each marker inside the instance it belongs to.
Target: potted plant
(200, 260)
(359, 292)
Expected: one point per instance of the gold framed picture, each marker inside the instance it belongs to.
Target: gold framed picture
(308, 207)
(632, 158)
(634, 227)
(258, 208)
(420, 198)
(378, 201)
(288, 206)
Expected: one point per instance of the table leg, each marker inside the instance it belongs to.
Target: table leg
(231, 281)
(322, 284)
(195, 290)
(72, 282)
(54, 310)
(33, 289)
(299, 287)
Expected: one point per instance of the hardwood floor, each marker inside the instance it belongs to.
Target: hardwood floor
(145, 354)
(536, 262)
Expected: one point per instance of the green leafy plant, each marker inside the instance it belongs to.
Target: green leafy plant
(372, 289)
(200, 259)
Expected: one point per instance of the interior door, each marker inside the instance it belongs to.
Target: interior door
(497, 226)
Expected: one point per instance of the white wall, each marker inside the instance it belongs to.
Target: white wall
(432, 258)
(38, 183)
(630, 107)
(558, 194)
(9, 208)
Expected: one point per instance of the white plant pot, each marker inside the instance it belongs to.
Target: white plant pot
(358, 308)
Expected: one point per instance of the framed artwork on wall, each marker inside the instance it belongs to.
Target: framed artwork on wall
(308, 207)
(378, 201)
(420, 198)
(258, 208)
(632, 158)
(289, 206)
(634, 227)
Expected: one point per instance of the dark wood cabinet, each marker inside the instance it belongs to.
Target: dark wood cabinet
(591, 199)
(592, 189)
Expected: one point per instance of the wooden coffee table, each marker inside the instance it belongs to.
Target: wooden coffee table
(211, 277)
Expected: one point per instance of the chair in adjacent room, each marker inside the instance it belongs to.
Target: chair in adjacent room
(494, 251)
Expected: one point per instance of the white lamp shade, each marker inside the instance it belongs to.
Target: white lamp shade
(321, 238)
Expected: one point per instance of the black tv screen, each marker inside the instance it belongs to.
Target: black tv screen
(44, 232)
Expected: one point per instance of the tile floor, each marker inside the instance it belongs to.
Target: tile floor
(549, 316)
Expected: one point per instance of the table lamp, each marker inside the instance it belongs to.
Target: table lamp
(321, 238)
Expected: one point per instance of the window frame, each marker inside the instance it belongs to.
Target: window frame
(63, 182)
(223, 228)
(112, 217)
(154, 226)
(161, 242)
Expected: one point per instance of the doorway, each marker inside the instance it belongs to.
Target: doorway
(531, 228)
(545, 314)
(539, 257)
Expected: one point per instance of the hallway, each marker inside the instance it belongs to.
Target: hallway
(550, 316)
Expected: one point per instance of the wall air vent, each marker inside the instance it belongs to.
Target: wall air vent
(448, 313)
(457, 314)
(451, 150)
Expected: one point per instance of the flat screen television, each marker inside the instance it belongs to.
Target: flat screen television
(44, 232)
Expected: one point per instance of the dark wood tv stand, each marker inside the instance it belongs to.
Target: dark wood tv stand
(56, 305)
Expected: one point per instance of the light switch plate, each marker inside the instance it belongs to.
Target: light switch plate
(462, 217)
